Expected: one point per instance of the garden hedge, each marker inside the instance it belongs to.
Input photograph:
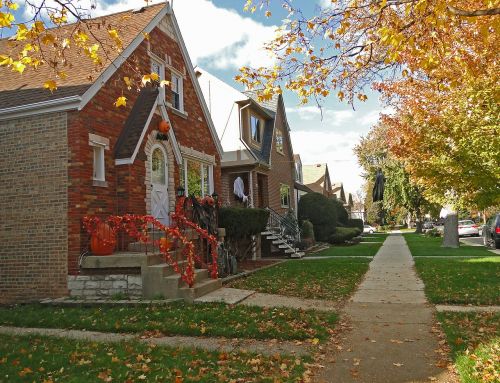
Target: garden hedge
(342, 214)
(343, 234)
(356, 222)
(322, 213)
(242, 222)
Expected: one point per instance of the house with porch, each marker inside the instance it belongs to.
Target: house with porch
(257, 166)
(72, 153)
(299, 188)
(317, 178)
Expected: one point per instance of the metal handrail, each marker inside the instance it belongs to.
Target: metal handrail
(286, 228)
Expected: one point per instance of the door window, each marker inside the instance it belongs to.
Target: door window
(158, 167)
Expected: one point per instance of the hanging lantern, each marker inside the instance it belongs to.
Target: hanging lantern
(164, 127)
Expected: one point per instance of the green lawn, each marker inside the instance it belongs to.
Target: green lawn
(474, 339)
(420, 245)
(359, 250)
(461, 281)
(48, 360)
(332, 279)
(214, 319)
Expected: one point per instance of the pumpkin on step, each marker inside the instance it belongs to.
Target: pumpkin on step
(102, 240)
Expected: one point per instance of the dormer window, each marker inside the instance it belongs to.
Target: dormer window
(255, 129)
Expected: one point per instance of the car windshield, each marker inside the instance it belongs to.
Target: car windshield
(466, 223)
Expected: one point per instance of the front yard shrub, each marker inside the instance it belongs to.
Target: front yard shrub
(307, 236)
(241, 222)
(343, 234)
(356, 222)
(321, 212)
(342, 215)
(433, 233)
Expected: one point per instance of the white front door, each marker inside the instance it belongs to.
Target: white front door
(159, 185)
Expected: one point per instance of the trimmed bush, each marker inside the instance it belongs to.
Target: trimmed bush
(356, 222)
(241, 222)
(342, 215)
(343, 234)
(307, 230)
(320, 210)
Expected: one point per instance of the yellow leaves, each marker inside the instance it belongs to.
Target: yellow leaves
(127, 82)
(18, 66)
(121, 101)
(315, 341)
(80, 36)
(91, 52)
(164, 83)
(21, 32)
(6, 19)
(5, 60)
(152, 77)
(38, 27)
(268, 14)
(362, 97)
(113, 33)
(341, 95)
(50, 85)
(146, 35)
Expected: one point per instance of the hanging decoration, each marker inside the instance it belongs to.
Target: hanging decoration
(163, 128)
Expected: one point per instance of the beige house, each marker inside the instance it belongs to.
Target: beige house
(317, 178)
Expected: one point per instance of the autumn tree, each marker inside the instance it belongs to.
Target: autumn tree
(61, 35)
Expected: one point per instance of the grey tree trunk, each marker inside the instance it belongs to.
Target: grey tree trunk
(450, 238)
(418, 228)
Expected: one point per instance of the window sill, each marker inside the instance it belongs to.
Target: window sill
(177, 112)
(102, 184)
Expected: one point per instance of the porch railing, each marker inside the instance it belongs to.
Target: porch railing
(286, 228)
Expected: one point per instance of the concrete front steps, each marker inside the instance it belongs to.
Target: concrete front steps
(159, 280)
(281, 244)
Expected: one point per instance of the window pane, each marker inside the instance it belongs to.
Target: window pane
(285, 195)
(279, 141)
(158, 167)
(255, 128)
(98, 163)
(194, 178)
(206, 185)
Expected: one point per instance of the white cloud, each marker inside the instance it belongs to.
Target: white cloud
(215, 37)
(324, 116)
(333, 148)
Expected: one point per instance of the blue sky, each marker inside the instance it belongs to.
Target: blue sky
(221, 38)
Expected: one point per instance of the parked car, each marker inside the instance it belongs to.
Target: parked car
(491, 232)
(468, 227)
(427, 226)
(369, 229)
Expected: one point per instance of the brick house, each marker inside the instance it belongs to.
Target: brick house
(257, 147)
(317, 178)
(72, 153)
(299, 188)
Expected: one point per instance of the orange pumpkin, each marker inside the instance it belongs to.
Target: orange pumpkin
(103, 240)
(165, 244)
(164, 127)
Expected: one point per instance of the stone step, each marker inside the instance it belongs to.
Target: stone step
(289, 251)
(175, 280)
(164, 269)
(267, 232)
(199, 289)
(284, 246)
(278, 242)
(298, 254)
(120, 260)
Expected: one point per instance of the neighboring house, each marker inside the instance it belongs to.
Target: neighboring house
(299, 188)
(71, 153)
(317, 178)
(338, 191)
(255, 137)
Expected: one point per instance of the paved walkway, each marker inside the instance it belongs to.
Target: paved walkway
(269, 347)
(392, 340)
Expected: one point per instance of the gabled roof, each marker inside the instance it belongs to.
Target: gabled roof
(314, 176)
(136, 120)
(271, 104)
(82, 73)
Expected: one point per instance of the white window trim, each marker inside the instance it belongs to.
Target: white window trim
(180, 91)
(102, 143)
(185, 160)
(99, 170)
(281, 200)
(161, 63)
(282, 151)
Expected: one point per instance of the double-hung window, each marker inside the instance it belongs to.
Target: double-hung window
(279, 141)
(255, 129)
(285, 195)
(177, 92)
(99, 145)
(159, 69)
(197, 177)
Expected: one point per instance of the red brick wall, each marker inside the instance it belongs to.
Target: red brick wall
(125, 192)
(282, 166)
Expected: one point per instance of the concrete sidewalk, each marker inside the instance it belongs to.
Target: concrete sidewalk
(392, 339)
